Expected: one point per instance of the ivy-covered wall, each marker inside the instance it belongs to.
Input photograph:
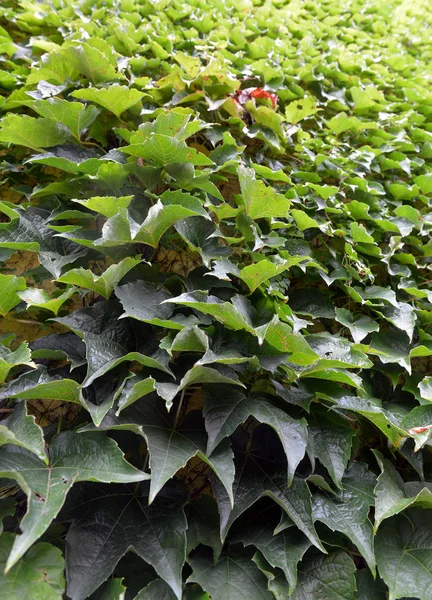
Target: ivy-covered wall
(215, 300)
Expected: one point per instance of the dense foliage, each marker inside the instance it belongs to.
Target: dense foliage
(216, 300)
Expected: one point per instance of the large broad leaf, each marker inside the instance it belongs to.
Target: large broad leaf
(21, 429)
(108, 206)
(28, 230)
(115, 98)
(156, 589)
(203, 525)
(73, 115)
(258, 199)
(336, 352)
(145, 302)
(171, 443)
(37, 576)
(326, 577)
(39, 384)
(32, 133)
(173, 207)
(233, 577)
(260, 473)
(101, 284)
(225, 312)
(281, 336)
(225, 408)
(377, 414)
(161, 150)
(256, 274)
(359, 326)
(41, 299)
(60, 346)
(332, 439)
(284, 550)
(9, 359)
(105, 354)
(134, 389)
(404, 554)
(111, 342)
(9, 286)
(72, 458)
(369, 588)
(157, 533)
(347, 511)
(392, 495)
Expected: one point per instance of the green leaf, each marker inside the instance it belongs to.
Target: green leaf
(147, 302)
(360, 234)
(36, 576)
(375, 413)
(156, 589)
(108, 206)
(332, 439)
(393, 347)
(376, 292)
(280, 336)
(164, 214)
(95, 60)
(9, 359)
(256, 477)
(21, 429)
(71, 114)
(424, 182)
(225, 408)
(104, 354)
(403, 551)
(392, 496)
(134, 389)
(301, 109)
(256, 274)
(157, 533)
(234, 576)
(38, 384)
(369, 588)
(359, 326)
(341, 122)
(224, 312)
(161, 150)
(41, 299)
(113, 589)
(303, 220)
(115, 98)
(425, 387)
(328, 577)
(336, 352)
(9, 286)
(60, 346)
(259, 200)
(403, 317)
(283, 551)
(73, 458)
(347, 510)
(101, 284)
(171, 444)
(32, 133)
(203, 525)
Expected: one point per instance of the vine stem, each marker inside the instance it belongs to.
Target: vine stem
(179, 407)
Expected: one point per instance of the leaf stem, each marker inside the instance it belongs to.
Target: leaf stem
(179, 407)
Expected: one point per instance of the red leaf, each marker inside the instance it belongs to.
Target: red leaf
(242, 96)
(415, 430)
